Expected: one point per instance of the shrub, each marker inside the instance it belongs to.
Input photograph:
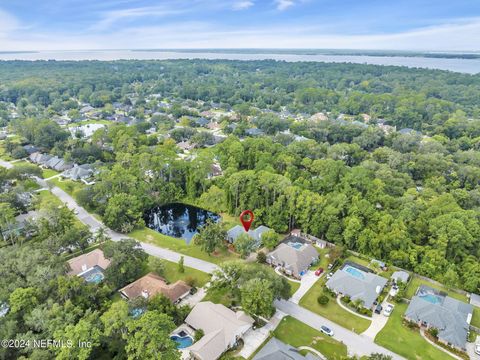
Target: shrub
(323, 299)
(433, 332)
(190, 281)
(261, 257)
(198, 334)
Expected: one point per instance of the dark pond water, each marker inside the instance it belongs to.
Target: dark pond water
(178, 220)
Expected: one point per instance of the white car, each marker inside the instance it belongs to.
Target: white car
(388, 310)
(326, 330)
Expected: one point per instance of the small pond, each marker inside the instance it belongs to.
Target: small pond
(178, 220)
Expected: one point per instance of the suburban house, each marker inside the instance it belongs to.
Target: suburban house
(151, 284)
(222, 329)
(278, 350)
(39, 158)
(57, 164)
(358, 283)
(400, 276)
(90, 266)
(238, 230)
(293, 258)
(79, 172)
(430, 308)
(30, 149)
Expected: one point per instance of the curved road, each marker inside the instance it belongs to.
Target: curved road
(356, 344)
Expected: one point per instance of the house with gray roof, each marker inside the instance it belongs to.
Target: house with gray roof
(39, 158)
(294, 259)
(278, 350)
(79, 172)
(357, 284)
(430, 308)
(238, 230)
(402, 276)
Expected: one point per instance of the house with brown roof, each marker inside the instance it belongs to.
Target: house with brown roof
(90, 266)
(151, 284)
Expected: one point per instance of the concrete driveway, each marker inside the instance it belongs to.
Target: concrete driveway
(471, 349)
(307, 281)
(378, 322)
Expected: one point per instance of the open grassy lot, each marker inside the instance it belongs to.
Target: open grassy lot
(406, 342)
(293, 332)
(476, 317)
(332, 310)
(219, 296)
(179, 245)
(20, 163)
(416, 282)
(46, 197)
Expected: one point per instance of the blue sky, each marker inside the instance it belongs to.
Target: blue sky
(345, 24)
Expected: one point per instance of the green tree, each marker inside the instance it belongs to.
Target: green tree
(123, 213)
(257, 297)
(148, 337)
(23, 300)
(270, 239)
(181, 268)
(245, 244)
(210, 236)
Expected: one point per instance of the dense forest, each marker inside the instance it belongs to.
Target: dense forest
(412, 199)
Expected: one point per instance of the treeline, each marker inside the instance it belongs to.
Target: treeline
(405, 97)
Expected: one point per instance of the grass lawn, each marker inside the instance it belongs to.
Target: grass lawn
(21, 163)
(219, 296)
(293, 332)
(47, 173)
(476, 317)
(179, 245)
(172, 274)
(69, 186)
(324, 261)
(416, 282)
(293, 286)
(408, 343)
(46, 197)
(332, 310)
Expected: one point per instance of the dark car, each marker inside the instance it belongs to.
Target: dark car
(378, 309)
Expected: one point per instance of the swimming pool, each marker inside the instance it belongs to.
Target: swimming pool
(295, 245)
(431, 298)
(354, 272)
(94, 275)
(182, 341)
(137, 312)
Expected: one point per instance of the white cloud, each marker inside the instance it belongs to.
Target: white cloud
(284, 4)
(242, 4)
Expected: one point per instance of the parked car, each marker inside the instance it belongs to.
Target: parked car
(388, 310)
(329, 275)
(319, 271)
(378, 309)
(477, 348)
(326, 330)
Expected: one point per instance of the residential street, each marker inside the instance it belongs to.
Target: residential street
(357, 344)
(5, 164)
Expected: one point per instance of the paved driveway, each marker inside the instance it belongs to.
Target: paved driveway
(5, 164)
(308, 280)
(357, 344)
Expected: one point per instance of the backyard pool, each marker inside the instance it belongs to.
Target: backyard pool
(94, 275)
(295, 245)
(182, 341)
(354, 272)
(178, 220)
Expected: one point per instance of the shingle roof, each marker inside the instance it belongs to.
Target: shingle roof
(366, 289)
(295, 260)
(87, 261)
(400, 276)
(449, 316)
(278, 350)
(152, 284)
(220, 325)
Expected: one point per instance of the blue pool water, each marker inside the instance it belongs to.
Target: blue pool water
(182, 342)
(354, 272)
(137, 312)
(295, 245)
(94, 275)
(431, 298)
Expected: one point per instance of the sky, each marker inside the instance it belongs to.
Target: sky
(424, 25)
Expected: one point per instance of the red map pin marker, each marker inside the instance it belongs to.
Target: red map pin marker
(246, 222)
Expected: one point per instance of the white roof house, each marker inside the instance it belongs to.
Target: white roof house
(237, 230)
(222, 328)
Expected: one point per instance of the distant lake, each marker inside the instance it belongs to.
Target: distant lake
(178, 220)
(469, 66)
